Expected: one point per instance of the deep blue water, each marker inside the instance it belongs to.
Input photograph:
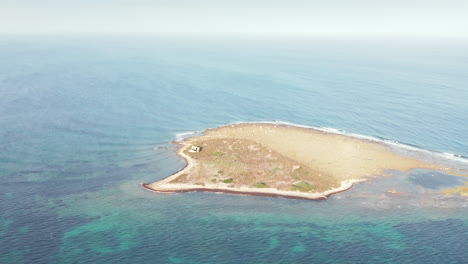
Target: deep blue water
(80, 118)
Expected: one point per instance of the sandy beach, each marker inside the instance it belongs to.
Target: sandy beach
(280, 160)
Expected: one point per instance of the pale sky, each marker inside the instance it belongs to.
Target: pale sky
(405, 18)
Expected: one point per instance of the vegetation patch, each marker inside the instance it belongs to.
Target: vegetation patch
(260, 185)
(180, 179)
(303, 187)
(275, 170)
(230, 180)
(227, 161)
(217, 153)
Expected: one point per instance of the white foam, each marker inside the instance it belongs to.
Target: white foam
(185, 135)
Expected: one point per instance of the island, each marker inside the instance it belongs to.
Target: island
(270, 159)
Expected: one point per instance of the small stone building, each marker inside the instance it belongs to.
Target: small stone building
(195, 149)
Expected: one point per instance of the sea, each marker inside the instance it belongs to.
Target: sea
(85, 119)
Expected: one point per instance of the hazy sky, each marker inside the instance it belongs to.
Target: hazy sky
(416, 18)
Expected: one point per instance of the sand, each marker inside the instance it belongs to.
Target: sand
(281, 159)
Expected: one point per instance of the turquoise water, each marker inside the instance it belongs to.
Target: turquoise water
(84, 120)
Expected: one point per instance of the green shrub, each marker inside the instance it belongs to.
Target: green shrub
(275, 170)
(213, 180)
(217, 154)
(303, 187)
(260, 185)
(230, 180)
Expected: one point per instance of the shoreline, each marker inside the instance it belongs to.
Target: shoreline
(167, 185)
(187, 167)
(345, 185)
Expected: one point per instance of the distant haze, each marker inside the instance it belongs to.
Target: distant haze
(379, 18)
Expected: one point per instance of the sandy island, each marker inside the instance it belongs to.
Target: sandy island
(280, 160)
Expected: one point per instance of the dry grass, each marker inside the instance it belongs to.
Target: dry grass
(286, 158)
(248, 163)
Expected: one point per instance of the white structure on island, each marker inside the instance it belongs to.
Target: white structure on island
(195, 149)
